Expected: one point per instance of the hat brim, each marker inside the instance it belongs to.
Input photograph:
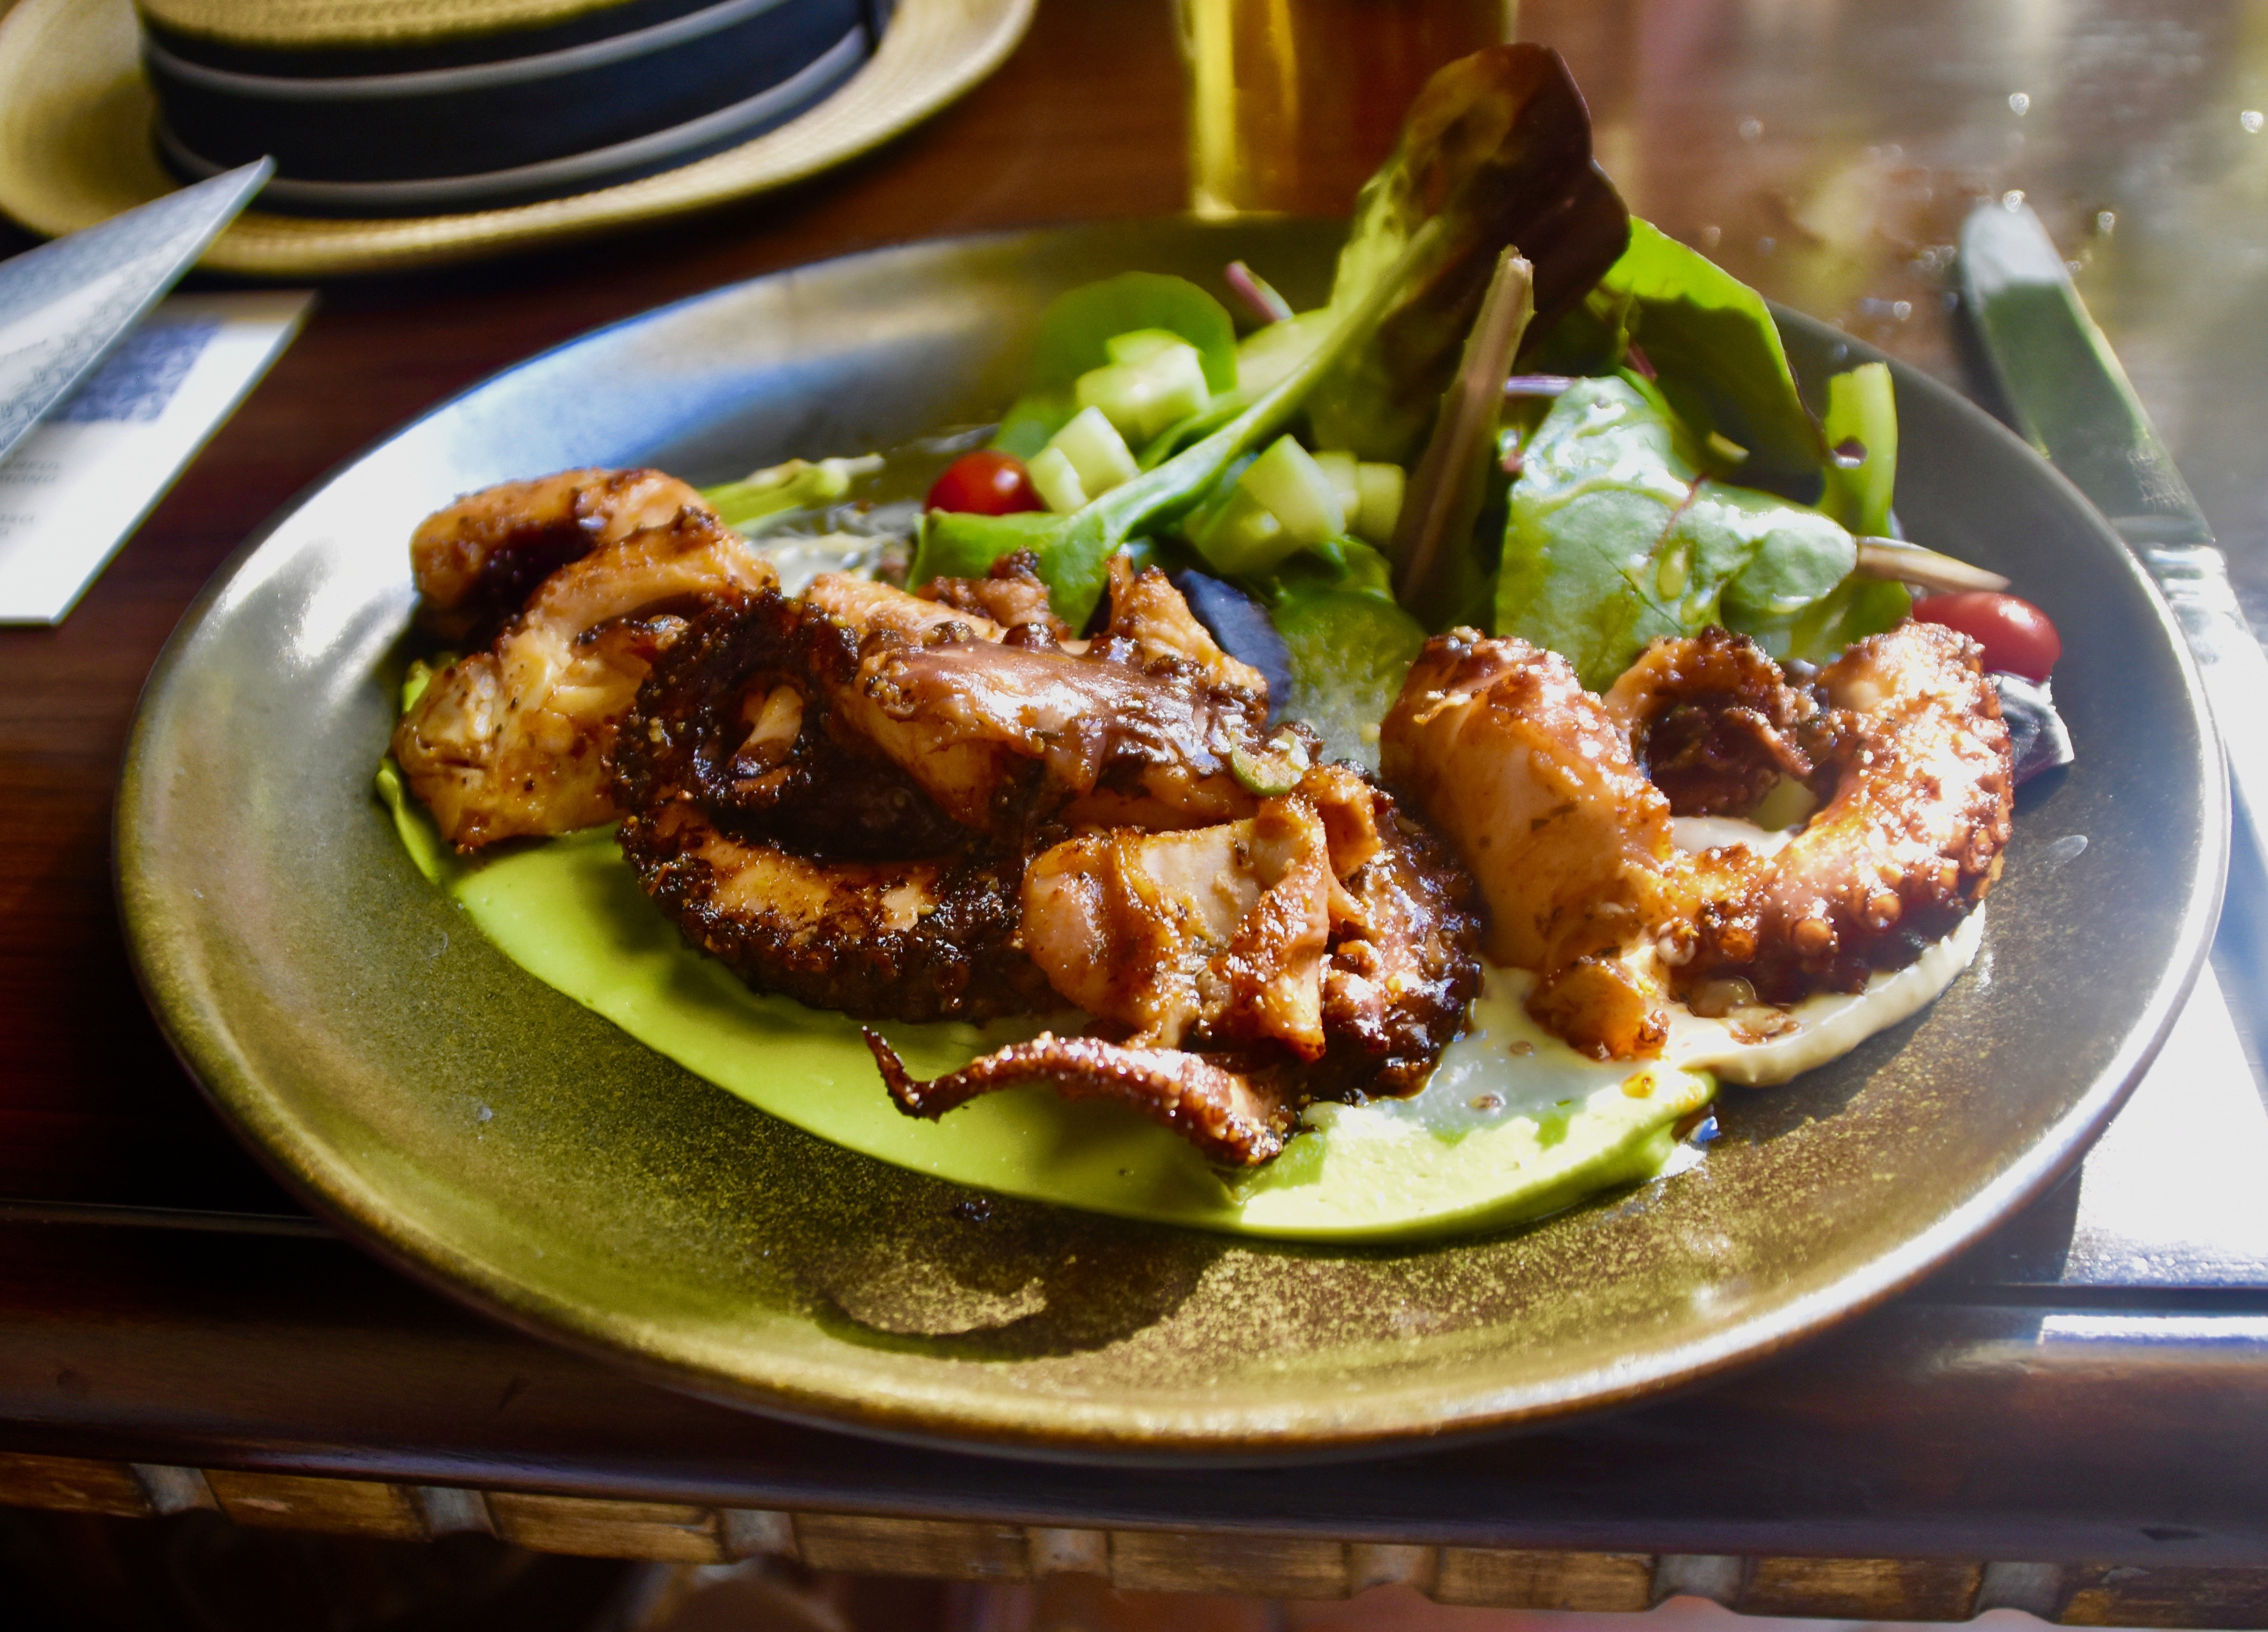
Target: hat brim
(75, 112)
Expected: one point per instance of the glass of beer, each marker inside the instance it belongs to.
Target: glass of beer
(1293, 103)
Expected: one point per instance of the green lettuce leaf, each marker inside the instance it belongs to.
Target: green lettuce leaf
(1078, 323)
(1497, 150)
(1614, 537)
(1717, 355)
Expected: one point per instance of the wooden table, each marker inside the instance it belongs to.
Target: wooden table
(2075, 1420)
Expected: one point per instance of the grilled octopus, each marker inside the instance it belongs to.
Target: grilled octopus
(1320, 949)
(1543, 789)
(580, 580)
(944, 805)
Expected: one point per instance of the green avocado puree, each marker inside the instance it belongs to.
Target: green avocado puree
(1500, 1134)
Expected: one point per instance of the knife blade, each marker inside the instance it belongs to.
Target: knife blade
(2074, 402)
(64, 305)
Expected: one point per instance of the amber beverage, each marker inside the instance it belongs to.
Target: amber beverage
(1293, 103)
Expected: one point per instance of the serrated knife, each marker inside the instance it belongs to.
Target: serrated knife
(64, 305)
(2074, 402)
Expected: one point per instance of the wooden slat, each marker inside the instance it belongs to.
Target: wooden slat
(1861, 1589)
(359, 1507)
(2180, 1596)
(1853, 1589)
(948, 1549)
(1259, 1566)
(67, 1484)
(675, 1532)
(1508, 1579)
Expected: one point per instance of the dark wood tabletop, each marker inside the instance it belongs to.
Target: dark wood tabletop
(2084, 1398)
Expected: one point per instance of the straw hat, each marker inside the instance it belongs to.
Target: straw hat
(79, 131)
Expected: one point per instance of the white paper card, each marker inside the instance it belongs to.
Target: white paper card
(78, 485)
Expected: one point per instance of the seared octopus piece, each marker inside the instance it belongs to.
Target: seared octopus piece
(1712, 722)
(1533, 781)
(1323, 948)
(780, 747)
(748, 692)
(478, 560)
(1137, 731)
(1908, 842)
(1012, 595)
(515, 740)
(804, 862)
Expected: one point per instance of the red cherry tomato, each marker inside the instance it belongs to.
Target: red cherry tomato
(985, 483)
(2016, 635)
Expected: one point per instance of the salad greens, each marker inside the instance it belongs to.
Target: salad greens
(1495, 153)
(1074, 550)
(1614, 537)
(1663, 491)
(1716, 353)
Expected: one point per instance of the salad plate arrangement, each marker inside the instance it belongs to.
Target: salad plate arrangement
(1327, 561)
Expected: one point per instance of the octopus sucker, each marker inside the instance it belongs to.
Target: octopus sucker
(1537, 785)
(1224, 1113)
(516, 740)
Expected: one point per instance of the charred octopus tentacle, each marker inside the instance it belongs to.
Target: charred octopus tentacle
(807, 866)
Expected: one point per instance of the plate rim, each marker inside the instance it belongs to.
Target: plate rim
(354, 1207)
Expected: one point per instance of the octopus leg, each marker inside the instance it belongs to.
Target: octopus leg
(926, 939)
(1222, 1113)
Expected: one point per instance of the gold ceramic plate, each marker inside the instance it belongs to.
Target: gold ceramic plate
(74, 148)
(484, 1131)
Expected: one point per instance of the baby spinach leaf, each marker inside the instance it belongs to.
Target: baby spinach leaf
(1075, 326)
(1600, 480)
(1717, 352)
(1496, 150)
(1613, 538)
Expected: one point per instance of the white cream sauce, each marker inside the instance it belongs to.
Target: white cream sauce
(1506, 1066)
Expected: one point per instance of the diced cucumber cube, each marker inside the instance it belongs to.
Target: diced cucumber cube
(1142, 397)
(1286, 479)
(1378, 507)
(1097, 453)
(1054, 480)
(1243, 537)
(1339, 470)
(1140, 344)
